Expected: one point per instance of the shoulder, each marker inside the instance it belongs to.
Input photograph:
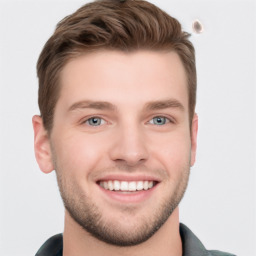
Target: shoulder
(193, 246)
(52, 247)
(219, 253)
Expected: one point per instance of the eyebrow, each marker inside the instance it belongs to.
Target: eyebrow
(163, 104)
(101, 105)
(150, 106)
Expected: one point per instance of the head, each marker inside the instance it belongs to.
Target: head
(117, 86)
(125, 26)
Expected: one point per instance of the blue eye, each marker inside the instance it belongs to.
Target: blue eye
(95, 121)
(159, 120)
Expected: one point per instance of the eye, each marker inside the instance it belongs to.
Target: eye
(159, 120)
(95, 121)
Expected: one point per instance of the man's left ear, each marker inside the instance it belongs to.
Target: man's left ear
(194, 129)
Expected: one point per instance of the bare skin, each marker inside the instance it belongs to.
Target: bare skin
(120, 117)
(167, 240)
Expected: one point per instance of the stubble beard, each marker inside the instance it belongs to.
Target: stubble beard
(88, 215)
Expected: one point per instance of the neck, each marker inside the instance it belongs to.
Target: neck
(166, 241)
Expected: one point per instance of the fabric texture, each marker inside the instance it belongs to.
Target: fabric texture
(191, 245)
(52, 247)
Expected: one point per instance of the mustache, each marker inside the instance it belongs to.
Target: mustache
(122, 168)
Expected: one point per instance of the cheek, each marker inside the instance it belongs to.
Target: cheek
(172, 151)
(78, 154)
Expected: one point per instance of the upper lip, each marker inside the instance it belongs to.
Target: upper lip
(122, 177)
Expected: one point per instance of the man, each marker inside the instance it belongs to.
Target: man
(117, 93)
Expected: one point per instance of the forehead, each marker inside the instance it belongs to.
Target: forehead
(124, 78)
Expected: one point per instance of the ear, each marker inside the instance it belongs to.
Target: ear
(194, 129)
(42, 145)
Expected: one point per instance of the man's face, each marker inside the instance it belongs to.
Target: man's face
(121, 143)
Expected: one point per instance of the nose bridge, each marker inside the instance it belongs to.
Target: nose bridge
(129, 144)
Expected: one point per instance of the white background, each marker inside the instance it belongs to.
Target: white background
(219, 205)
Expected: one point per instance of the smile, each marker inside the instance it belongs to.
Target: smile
(126, 186)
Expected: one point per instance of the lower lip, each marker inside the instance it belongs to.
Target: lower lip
(129, 197)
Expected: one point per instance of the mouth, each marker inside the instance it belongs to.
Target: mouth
(127, 186)
(128, 189)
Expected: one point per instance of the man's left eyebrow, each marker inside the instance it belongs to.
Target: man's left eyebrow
(163, 104)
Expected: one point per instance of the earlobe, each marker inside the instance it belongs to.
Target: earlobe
(42, 145)
(194, 129)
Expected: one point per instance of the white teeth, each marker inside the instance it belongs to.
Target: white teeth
(140, 185)
(105, 184)
(116, 185)
(132, 186)
(110, 185)
(126, 185)
(145, 185)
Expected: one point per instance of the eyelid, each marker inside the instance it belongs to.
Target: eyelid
(168, 118)
(86, 119)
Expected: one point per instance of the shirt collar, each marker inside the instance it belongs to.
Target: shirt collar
(191, 245)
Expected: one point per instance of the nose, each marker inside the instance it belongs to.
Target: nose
(129, 146)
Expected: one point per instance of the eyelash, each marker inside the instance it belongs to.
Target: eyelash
(91, 118)
(167, 120)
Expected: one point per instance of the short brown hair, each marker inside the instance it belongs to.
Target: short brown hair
(115, 25)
